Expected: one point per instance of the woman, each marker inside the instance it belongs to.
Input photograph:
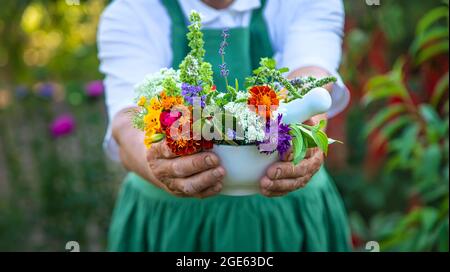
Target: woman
(170, 203)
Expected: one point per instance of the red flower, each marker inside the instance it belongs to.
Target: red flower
(182, 142)
(263, 99)
(167, 118)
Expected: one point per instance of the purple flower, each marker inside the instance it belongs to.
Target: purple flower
(277, 134)
(231, 134)
(46, 89)
(62, 126)
(223, 67)
(94, 88)
(224, 70)
(225, 33)
(224, 42)
(192, 93)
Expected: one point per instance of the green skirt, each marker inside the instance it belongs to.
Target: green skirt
(147, 218)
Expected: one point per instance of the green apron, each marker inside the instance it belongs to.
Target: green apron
(147, 218)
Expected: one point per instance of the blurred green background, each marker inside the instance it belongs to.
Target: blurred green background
(56, 185)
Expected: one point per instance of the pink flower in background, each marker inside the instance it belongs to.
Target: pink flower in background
(62, 125)
(95, 88)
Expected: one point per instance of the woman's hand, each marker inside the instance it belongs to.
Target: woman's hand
(284, 177)
(199, 175)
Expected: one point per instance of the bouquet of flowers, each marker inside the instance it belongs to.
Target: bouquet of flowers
(184, 107)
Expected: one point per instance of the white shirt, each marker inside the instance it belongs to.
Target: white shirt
(134, 40)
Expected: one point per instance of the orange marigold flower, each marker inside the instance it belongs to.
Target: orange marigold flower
(183, 143)
(168, 102)
(265, 97)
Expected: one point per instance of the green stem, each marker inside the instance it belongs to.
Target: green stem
(226, 78)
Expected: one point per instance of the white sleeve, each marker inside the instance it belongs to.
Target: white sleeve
(128, 50)
(314, 38)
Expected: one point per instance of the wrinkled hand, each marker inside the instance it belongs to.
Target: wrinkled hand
(199, 175)
(284, 177)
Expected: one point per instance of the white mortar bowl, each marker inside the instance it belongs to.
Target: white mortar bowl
(245, 165)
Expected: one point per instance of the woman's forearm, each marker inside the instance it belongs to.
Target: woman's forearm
(131, 146)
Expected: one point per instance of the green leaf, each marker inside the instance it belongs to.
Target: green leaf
(428, 167)
(307, 135)
(434, 34)
(269, 63)
(231, 90)
(299, 147)
(407, 142)
(432, 51)
(430, 18)
(394, 126)
(283, 70)
(321, 140)
(429, 114)
(439, 90)
(332, 141)
(322, 124)
(157, 137)
(384, 86)
(383, 116)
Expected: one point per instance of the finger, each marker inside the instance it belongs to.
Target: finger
(185, 166)
(189, 165)
(160, 150)
(288, 156)
(284, 170)
(289, 185)
(211, 191)
(283, 185)
(314, 162)
(311, 152)
(195, 184)
(310, 122)
(270, 193)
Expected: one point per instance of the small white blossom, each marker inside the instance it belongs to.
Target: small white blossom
(152, 83)
(248, 120)
(242, 95)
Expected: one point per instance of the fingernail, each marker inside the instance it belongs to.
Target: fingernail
(209, 161)
(278, 173)
(217, 173)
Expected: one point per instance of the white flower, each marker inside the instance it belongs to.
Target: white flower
(242, 95)
(248, 120)
(152, 83)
